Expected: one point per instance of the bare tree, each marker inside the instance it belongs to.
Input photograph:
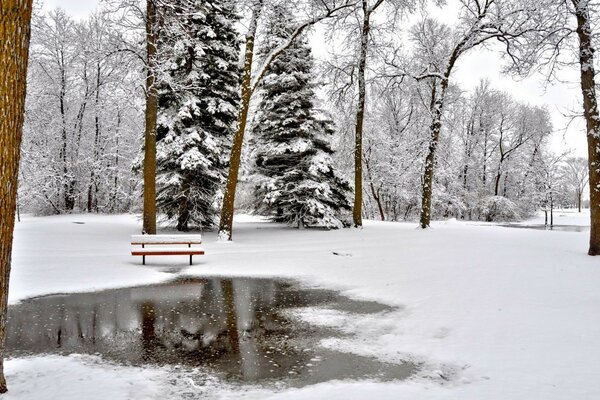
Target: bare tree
(365, 36)
(591, 114)
(15, 17)
(367, 12)
(576, 176)
(439, 48)
(559, 23)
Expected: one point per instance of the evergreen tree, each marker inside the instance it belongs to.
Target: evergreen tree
(198, 101)
(295, 180)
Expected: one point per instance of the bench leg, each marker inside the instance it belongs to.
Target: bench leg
(143, 260)
(190, 259)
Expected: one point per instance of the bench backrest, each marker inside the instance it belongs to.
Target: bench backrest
(165, 239)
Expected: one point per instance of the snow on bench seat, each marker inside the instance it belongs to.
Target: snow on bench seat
(166, 239)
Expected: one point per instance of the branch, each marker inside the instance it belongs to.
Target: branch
(290, 40)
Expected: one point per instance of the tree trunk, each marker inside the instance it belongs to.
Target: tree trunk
(184, 206)
(377, 197)
(437, 104)
(15, 17)
(227, 210)
(579, 194)
(497, 183)
(592, 117)
(92, 202)
(360, 116)
(149, 225)
(427, 187)
(551, 212)
(232, 329)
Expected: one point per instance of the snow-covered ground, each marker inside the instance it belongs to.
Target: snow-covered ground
(492, 312)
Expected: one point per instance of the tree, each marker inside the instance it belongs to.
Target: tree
(82, 117)
(322, 10)
(149, 214)
(439, 47)
(349, 72)
(197, 100)
(15, 17)
(591, 114)
(297, 183)
(544, 48)
(576, 175)
(367, 11)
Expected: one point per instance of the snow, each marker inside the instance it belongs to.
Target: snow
(29, 379)
(490, 312)
(162, 239)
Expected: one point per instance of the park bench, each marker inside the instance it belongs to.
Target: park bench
(166, 245)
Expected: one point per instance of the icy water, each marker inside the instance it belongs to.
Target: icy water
(237, 329)
(562, 228)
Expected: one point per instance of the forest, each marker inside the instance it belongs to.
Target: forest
(377, 128)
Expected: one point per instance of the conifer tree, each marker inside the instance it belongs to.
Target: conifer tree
(198, 101)
(295, 179)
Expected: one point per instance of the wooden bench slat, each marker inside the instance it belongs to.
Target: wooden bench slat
(161, 243)
(168, 253)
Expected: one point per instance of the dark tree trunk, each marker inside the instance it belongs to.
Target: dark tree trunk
(232, 329)
(227, 210)
(497, 183)
(437, 105)
(360, 116)
(592, 117)
(148, 330)
(149, 217)
(184, 207)
(15, 17)
(92, 202)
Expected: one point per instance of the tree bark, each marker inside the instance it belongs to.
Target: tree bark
(437, 105)
(592, 117)
(149, 217)
(427, 187)
(184, 206)
(227, 210)
(15, 17)
(360, 117)
(92, 201)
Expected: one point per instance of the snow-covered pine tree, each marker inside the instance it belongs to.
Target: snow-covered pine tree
(295, 179)
(198, 101)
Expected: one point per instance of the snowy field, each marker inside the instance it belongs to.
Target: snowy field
(491, 312)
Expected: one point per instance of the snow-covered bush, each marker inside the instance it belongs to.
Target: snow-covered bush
(498, 208)
(447, 205)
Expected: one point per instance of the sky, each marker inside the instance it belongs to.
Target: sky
(562, 98)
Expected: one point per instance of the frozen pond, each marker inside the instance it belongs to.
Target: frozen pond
(239, 329)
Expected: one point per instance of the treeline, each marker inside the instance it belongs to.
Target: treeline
(82, 118)
(414, 144)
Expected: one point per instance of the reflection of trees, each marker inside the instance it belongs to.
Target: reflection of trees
(148, 330)
(197, 322)
(232, 330)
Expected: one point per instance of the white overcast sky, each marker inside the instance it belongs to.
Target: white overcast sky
(561, 98)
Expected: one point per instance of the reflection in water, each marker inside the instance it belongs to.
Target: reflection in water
(562, 228)
(235, 327)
